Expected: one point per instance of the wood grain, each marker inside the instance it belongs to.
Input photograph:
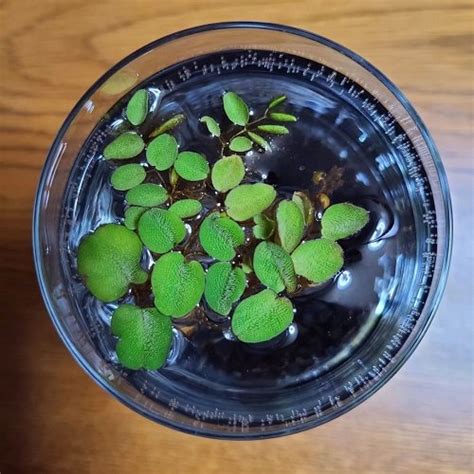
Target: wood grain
(53, 418)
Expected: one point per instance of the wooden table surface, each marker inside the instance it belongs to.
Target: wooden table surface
(53, 418)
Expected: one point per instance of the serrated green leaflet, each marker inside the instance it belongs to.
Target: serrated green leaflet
(305, 205)
(224, 286)
(162, 151)
(127, 176)
(262, 317)
(146, 195)
(137, 107)
(276, 101)
(191, 166)
(160, 230)
(260, 141)
(177, 284)
(290, 224)
(274, 267)
(240, 144)
(168, 125)
(227, 173)
(219, 236)
(132, 216)
(280, 117)
(108, 261)
(235, 108)
(343, 220)
(264, 227)
(273, 129)
(247, 200)
(127, 145)
(186, 208)
(145, 337)
(212, 125)
(318, 260)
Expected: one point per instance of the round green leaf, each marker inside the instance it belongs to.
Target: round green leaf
(127, 176)
(145, 337)
(137, 107)
(227, 173)
(262, 317)
(263, 228)
(162, 151)
(276, 101)
(177, 285)
(260, 141)
(192, 166)
(132, 216)
(247, 200)
(318, 260)
(305, 205)
(290, 223)
(168, 125)
(273, 129)
(343, 220)
(240, 144)
(219, 236)
(279, 117)
(186, 208)
(274, 267)
(211, 125)
(147, 195)
(127, 145)
(224, 286)
(235, 108)
(108, 261)
(160, 230)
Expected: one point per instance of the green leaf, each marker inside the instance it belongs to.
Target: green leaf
(168, 125)
(246, 268)
(108, 260)
(264, 227)
(240, 144)
(227, 173)
(186, 208)
(160, 230)
(173, 177)
(262, 317)
(343, 220)
(145, 337)
(146, 195)
(260, 141)
(137, 107)
(290, 223)
(273, 129)
(177, 284)
(274, 267)
(247, 200)
(224, 286)
(162, 151)
(280, 117)
(276, 101)
(219, 236)
(305, 205)
(235, 108)
(318, 260)
(212, 125)
(192, 166)
(132, 216)
(127, 145)
(127, 176)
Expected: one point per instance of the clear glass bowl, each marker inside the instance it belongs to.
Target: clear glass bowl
(240, 413)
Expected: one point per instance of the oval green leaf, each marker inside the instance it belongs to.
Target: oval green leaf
(264, 227)
(162, 151)
(145, 337)
(280, 117)
(191, 166)
(227, 173)
(146, 195)
(127, 145)
(186, 208)
(177, 284)
(274, 267)
(318, 260)
(137, 107)
(290, 224)
(343, 220)
(235, 108)
(273, 129)
(108, 261)
(212, 126)
(262, 317)
(260, 141)
(219, 236)
(305, 205)
(132, 216)
(247, 200)
(224, 286)
(240, 144)
(168, 125)
(276, 101)
(127, 176)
